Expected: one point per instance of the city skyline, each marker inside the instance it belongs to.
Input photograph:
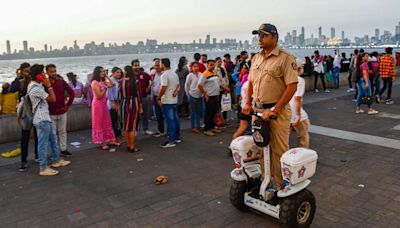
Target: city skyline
(290, 39)
(123, 20)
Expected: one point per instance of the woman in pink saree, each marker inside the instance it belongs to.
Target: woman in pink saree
(102, 131)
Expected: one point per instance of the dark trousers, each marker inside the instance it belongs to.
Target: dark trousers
(321, 75)
(159, 115)
(387, 83)
(349, 79)
(115, 122)
(212, 106)
(224, 114)
(25, 136)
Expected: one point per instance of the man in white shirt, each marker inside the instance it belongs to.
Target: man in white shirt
(155, 90)
(168, 100)
(42, 121)
(318, 63)
(209, 87)
(299, 120)
(336, 68)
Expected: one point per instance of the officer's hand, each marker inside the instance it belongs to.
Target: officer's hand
(267, 115)
(296, 122)
(247, 109)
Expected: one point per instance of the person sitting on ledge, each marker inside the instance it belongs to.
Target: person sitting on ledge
(8, 101)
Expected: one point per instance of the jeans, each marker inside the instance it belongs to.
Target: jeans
(212, 106)
(387, 83)
(362, 91)
(46, 135)
(25, 136)
(159, 115)
(349, 79)
(321, 75)
(375, 85)
(146, 102)
(59, 123)
(196, 108)
(336, 73)
(173, 125)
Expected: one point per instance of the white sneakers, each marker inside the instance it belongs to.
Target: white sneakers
(370, 111)
(48, 172)
(60, 163)
(51, 172)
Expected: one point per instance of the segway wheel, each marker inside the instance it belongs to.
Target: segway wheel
(238, 189)
(298, 210)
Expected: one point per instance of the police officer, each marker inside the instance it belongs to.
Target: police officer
(272, 83)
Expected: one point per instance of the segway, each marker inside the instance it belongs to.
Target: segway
(294, 204)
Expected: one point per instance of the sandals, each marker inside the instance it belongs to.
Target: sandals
(105, 147)
(115, 143)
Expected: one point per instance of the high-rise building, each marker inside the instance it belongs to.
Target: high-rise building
(377, 34)
(45, 48)
(320, 32)
(76, 47)
(208, 39)
(294, 37)
(214, 41)
(333, 33)
(343, 37)
(25, 44)
(397, 33)
(302, 37)
(8, 47)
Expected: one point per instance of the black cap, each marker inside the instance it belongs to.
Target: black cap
(266, 28)
(389, 50)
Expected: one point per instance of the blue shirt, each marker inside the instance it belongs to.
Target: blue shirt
(112, 93)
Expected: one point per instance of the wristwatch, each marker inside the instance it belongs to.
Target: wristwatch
(273, 109)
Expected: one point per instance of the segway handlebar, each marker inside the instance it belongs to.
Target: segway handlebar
(259, 114)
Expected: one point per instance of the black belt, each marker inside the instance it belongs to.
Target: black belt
(263, 105)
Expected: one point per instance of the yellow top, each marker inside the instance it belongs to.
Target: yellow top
(8, 103)
(270, 74)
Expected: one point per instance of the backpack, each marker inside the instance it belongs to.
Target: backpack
(25, 113)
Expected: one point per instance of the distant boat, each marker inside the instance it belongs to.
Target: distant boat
(111, 60)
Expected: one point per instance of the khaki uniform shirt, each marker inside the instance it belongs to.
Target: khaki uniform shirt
(270, 75)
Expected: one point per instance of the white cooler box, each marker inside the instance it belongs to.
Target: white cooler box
(244, 150)
(298, 164)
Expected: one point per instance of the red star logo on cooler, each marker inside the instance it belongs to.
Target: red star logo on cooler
(287, 172)
(301, 171)
(237, 157)
(249, 154)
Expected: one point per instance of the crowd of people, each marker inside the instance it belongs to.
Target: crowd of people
(123, 102)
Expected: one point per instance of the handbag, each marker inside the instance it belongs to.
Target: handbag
(366, 100)
(226, 103)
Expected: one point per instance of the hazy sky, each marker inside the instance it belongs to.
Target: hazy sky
(59, 22)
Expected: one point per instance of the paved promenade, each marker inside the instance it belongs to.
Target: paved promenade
(357, 182)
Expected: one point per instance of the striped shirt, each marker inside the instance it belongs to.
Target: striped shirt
(210, 83)
(40, 107)
(386, 66)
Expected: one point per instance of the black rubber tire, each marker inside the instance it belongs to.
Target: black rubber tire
(290, 206)
(237, 191)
